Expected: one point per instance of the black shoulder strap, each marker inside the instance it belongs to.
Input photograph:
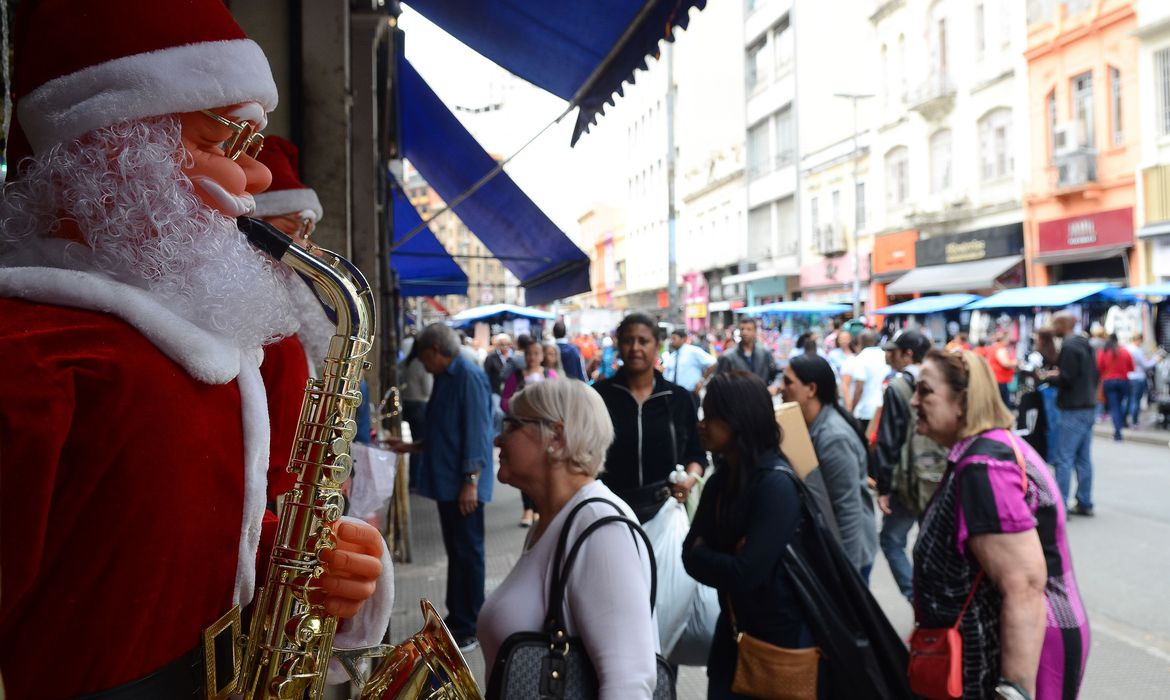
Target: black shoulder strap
(561, 569)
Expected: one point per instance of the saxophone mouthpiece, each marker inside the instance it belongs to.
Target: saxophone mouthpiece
(264, 236)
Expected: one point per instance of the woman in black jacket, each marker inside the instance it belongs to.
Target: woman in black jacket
(749, 512)
(654, 421)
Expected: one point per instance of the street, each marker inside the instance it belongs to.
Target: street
(1121, 557)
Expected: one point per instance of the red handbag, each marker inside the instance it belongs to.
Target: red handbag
(936, 654)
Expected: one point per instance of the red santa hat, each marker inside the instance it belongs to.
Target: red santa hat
(287, 194)
(82, 65)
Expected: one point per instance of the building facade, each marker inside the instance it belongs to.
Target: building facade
(1083, 85)
(1153, 88)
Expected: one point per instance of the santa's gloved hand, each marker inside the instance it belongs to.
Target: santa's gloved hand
(352, 568)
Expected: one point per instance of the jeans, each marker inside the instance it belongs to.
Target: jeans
(895, 530)
(463, 540)
(1052, 418)
(1137, 391)
(1073, 451)
(1116, 392)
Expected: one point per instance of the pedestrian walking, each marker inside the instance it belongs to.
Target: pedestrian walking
(1115, 364)
(655, 424)
(686, 364)
(552, 358)
(992, 555)
(534, 372)
(416, 384)
(1138, 378)
(868, 374)
(751, 356)
(909, 465)
(1003, 366)
(571, 360)
(1075, 378)
(457, 465)
(552, 446)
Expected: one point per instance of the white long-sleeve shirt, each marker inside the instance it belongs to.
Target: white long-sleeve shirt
(607, 598)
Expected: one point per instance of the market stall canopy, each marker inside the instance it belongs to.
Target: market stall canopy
(809, 308)
(928, 305)
(579, 51)
(508, 223)
(1161, 289)
(1056, 295)
(424, 266)
(498, 313)
(954, 277)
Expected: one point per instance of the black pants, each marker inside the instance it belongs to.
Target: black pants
(529, 504)
(463, 540)
(414, 413)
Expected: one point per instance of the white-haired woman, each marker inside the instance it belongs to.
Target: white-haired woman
(552, 447)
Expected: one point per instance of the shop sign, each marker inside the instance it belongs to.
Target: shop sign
(894, 252)
(981, 244)
(831, 272)
(696, 310)
(1105, 229)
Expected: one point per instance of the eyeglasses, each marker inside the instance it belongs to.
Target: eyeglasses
(247, 138)
(513, 423)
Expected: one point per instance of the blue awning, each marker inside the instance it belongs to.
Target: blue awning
(1056, 295)
(579, 51)
(1161, 289)
(928, 305)
(514, 229)
(809, 308)
(498, 313)
(424, 266)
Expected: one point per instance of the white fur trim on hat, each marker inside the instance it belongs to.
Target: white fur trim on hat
(283, 202)
(180, 79)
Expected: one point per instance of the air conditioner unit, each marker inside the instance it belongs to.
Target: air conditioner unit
(1076, 168)
(1064, 139)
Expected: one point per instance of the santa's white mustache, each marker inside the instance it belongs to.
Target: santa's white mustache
(232, 205)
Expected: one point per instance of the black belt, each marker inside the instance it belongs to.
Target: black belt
(182, 678)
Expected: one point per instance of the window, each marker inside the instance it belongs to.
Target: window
(995, 155)
(836, 199)
(1115, 104)
(940, 160)
(901, 78)
(814, 214)
(760, 232)
(1050, 109)
(897, 176)
(1082, 104)
(757, 68)
(859, 207)
(980, 32)
(758, 156)
(785, 137)
(885, 74)
(782, 47)
(1162, 91)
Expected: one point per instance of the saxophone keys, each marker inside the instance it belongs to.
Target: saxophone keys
(340, 468)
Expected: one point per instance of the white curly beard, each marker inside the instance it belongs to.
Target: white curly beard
(142, 224)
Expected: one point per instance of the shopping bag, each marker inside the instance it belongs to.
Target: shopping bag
(694, 645)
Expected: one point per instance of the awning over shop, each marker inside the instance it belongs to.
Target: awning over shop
(955, 277)
(498, 313)
(579, 51)
(423, 265)
(1053, 296)
(928, 305)
(1161, 289)
(512, 227)
(779, 308)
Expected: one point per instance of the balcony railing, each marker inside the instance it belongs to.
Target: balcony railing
(829, 240)
(1076, 168)
(933, 97)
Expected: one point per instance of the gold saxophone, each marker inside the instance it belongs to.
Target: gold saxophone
(290, 640)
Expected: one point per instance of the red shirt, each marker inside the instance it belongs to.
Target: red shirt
(1003, 375)
(1116, 364)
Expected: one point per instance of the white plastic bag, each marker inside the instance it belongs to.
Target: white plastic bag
(373, 479)
(676, 588)
(694, 645)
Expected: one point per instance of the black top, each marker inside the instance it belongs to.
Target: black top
(761, 363)
(1076, 386)
(765, 513)
(648, 439)
(497, 369)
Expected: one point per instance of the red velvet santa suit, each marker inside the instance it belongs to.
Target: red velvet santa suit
(128, 469)
(285, 371)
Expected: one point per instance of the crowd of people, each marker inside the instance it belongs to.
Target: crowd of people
(905, 435)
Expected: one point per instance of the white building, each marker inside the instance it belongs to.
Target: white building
(950, 130)
(1154, 182)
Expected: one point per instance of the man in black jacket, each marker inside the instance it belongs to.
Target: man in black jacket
(751, 356)
(655, 424)
(1075, 379)
(496, 365)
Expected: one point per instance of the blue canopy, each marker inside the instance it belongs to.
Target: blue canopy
(1161, 289)
(498, 313)
(579, 51)
(1052, 296)
(423, 265)
(809, 308)
(928, 305)
(514, 229)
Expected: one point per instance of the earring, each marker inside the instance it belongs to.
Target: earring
(550, 449)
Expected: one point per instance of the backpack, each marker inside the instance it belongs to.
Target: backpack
(919, 472)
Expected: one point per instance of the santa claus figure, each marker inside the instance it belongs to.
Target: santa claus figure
(134, 431)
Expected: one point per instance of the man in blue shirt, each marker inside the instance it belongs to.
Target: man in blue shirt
(456, 470)
(686, 364)
(570, 355)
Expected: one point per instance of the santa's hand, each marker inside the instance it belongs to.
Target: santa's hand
(352, 569)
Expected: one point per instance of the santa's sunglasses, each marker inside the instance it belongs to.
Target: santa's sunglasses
(247, 138)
